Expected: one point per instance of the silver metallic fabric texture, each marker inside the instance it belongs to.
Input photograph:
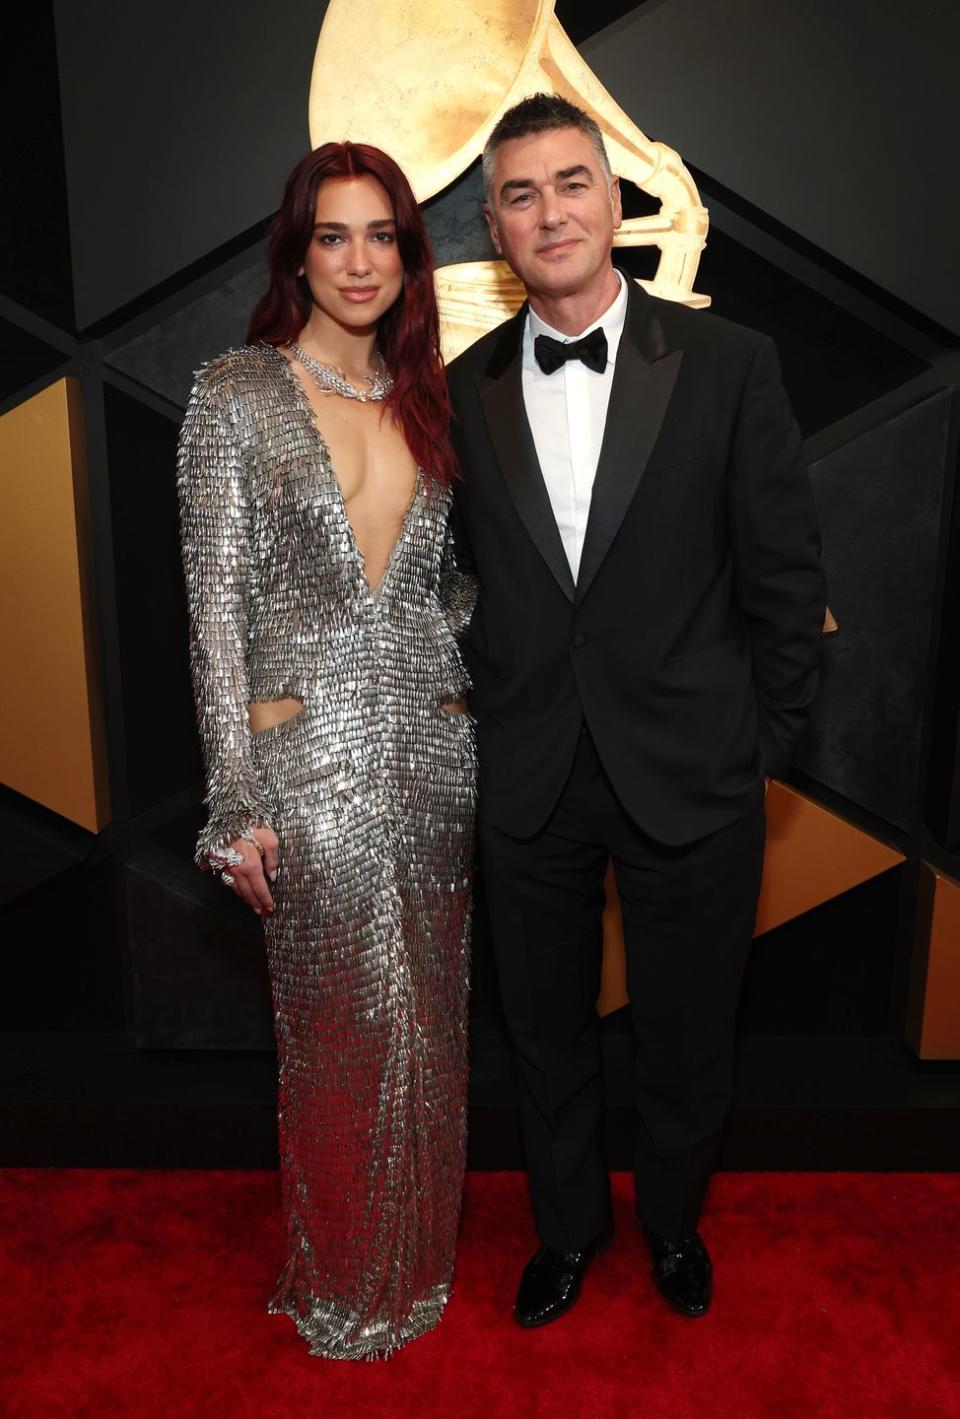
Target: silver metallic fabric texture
(370, 789)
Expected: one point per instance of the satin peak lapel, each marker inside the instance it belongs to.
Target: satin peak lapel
(506, 416)
(641, 391)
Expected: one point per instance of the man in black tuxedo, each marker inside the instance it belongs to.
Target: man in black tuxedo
(643, 652)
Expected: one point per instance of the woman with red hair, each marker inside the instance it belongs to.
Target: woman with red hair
(315, 473)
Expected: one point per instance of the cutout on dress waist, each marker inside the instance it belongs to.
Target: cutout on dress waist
(267, 714)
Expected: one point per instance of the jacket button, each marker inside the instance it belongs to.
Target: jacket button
(580, 639)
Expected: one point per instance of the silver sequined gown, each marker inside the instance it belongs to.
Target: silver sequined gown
(370, 789)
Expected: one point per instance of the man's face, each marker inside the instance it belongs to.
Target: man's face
(551, 214)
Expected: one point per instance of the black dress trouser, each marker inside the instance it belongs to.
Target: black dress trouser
(688, 917)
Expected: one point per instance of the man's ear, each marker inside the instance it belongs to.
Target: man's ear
(492, 228)
(616, 203)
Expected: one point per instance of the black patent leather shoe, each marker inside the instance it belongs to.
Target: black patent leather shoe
(551, 1280)
(682, 1272)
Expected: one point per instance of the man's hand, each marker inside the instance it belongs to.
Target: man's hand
(259, 865)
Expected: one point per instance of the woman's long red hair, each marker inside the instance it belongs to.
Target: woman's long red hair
(408, 336)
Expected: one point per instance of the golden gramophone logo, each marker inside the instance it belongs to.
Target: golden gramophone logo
(427, 81)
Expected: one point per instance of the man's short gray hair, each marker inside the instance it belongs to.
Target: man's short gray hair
(541, 113)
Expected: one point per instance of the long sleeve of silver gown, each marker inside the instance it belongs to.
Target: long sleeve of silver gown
(216, 536)
(370, 789)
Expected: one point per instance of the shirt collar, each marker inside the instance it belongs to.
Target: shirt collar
(613, 320)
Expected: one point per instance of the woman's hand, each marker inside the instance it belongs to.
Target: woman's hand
(259, 865)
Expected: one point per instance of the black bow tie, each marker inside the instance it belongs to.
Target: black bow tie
(550, 354)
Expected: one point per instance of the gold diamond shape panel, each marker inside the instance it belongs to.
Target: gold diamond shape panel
(51, 724)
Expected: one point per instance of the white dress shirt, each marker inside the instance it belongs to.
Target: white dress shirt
(567, 411)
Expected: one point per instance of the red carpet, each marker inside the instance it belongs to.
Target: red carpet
(141, 1294)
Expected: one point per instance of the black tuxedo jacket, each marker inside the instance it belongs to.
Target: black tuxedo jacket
(690, 641)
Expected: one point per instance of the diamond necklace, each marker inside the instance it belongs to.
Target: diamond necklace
(334, 381)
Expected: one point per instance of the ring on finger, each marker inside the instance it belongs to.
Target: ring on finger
(259, 846)
(227, 879)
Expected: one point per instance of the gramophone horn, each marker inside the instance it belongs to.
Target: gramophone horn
(424, 81)
(428, 81)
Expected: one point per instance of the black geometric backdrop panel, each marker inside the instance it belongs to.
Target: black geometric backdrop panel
(162, 752)
(880, 499)
(179, 125)
(835, 119)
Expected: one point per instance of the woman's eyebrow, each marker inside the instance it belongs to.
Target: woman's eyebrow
(343, 227)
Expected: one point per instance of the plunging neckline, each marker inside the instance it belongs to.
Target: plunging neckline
(360, 560)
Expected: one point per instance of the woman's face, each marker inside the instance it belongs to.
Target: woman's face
(352, 264)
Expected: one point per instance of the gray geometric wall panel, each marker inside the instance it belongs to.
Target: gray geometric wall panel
(838, 119)
(879, 499)
(455, 221)
(180, 124)
(164, 357)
